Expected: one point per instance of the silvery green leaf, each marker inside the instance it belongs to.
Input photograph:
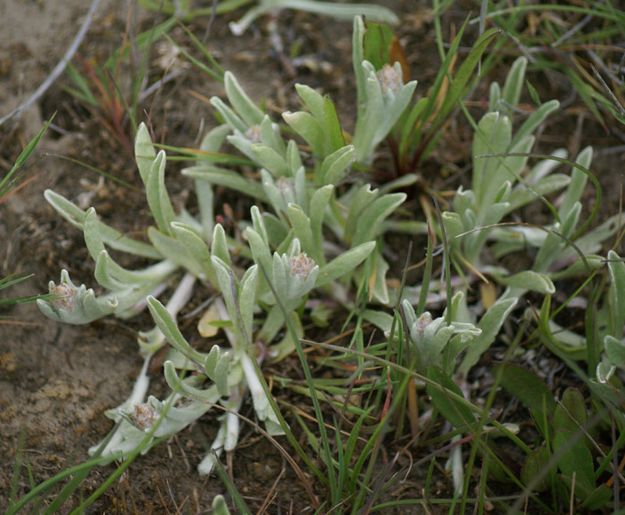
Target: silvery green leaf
(302, 229)
(463, 200)
(278, 198)
(247, 301)
(367, 134)
(336, 166)
(262, 406)
(175, 251)
(525, 193)
(277, 231)
(219, 506)
(578, 183)
(279, 276)
(156, 193)
(604, 371)
(242, 104)
(227, 178)
(144, 152)
(345, 263)
(615, 350)
(293, 157)
(219, 245)
(229, 116)
(205, 467)
(544, 167)
(579, 268)
(453, 227)
(211, 142)
(176, 418)
(374, 214)
(156, 273)
(260, 250)
(299, 184)
(358, 33)
(493, 136)
(312, 100)
(554, 242)
(494, 97)
(318, 206)
(535, 119)
(227, 285)
(514, 83)
(196, 248)
(490, 324)
(362, 198)
(268, 158)
(379, 319)
(379, 293)
(270, 136)
(591, 242)
(307, 127)
(210, 395)
(529, 280)
(617, 293)
(111, 237)
(75, 305)
(217, 366)
(169, 328)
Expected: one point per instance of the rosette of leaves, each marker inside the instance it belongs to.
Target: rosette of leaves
(297, 208)
(304, 202)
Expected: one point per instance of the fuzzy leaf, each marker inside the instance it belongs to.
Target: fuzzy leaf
(345, 263)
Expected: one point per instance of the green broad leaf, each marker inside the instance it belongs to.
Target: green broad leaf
(168, 327)
(599, 498)
(569, 443)
(535, 466)
(377, 44)
(615, 350)
(242, 104)
(332, 127)
(345, 263)
(490, 324)
(529, 280)
(226, 178)
(111, 237)
(531, 391)
(451, 407)
(144, 152)
(513, 86)
(336, 166)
